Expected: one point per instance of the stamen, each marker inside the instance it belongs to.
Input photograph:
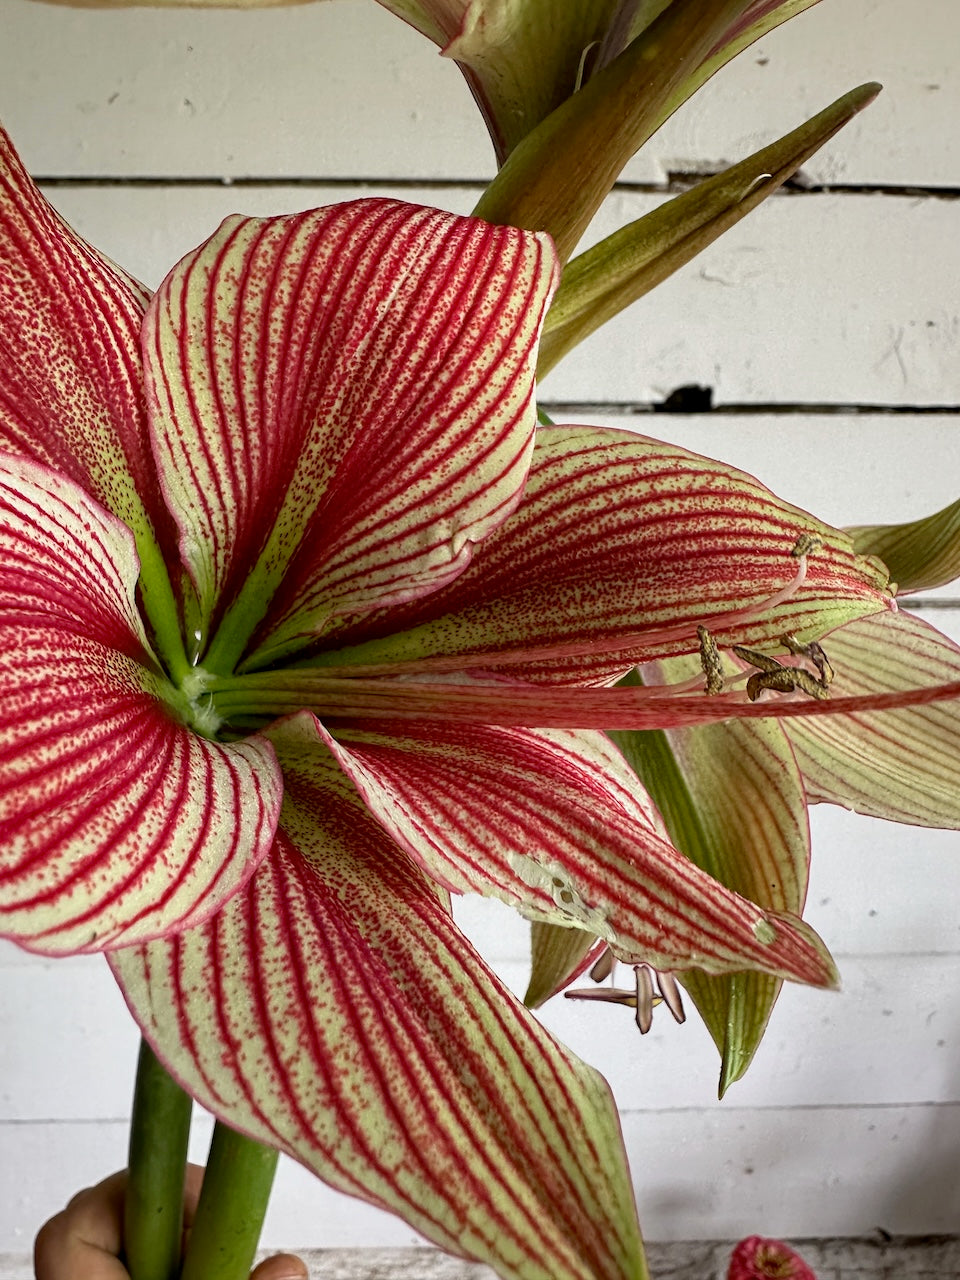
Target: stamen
(645, 1001)
(814, 652)
(773, 675)
(603, 967)
(806, 544)
(644, 997)
(711, 662)
(785, 680)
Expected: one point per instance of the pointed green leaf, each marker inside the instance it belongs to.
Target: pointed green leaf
(757, 18)
(608, 277)
(558, 176)
(733, 801)
(920, 554)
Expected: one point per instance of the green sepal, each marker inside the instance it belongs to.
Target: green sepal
(920, 554)
(614, 273)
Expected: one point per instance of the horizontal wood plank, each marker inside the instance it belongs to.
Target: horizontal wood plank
(839, 1259)
(723, 1174)
(810, 300)
(345, 90)
(822, 1048)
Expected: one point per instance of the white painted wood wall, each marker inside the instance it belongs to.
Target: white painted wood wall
(148, 127)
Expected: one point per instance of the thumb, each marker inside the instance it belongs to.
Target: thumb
(283, 1266)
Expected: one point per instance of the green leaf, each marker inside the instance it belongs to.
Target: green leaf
(732, 799)
(760, 16)
(608, 277)
(919, 554)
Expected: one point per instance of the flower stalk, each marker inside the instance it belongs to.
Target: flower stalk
(233, 1203)
(159, 1130)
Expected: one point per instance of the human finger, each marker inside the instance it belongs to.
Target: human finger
(283, 1266)
(84, 1239)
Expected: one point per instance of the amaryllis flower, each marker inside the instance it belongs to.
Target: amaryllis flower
(758, 1259)
(289, 584)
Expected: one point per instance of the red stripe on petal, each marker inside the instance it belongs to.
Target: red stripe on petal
(344, 399)
(556, 824)
(71, 383)
(618, 536)
(118, 823)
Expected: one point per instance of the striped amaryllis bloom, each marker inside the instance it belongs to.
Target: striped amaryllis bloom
(758, 1259)
(262, 707)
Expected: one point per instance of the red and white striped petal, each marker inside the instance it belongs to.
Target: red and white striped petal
(334, 1010)
(342, 402)
(118, 823)
(556, 824)
(71, 382)
(901, 764)
(619, 537)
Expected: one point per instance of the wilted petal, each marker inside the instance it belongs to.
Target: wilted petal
(555, 823)
(619, 536)
(118, 824)
(758, 1259)
(333, 1009)
(71, 383)
(900, 764)
(379, 422)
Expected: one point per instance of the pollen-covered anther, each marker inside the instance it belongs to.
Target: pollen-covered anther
(807, 544)
(814, 653)
(778, 678)
(710, 661)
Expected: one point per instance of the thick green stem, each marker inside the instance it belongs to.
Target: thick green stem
(159, 1129)
(236, 1188)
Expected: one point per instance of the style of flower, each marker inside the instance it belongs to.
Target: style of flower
(288, 573)
(759, 1259)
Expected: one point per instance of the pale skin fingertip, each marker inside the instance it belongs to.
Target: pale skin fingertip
(283, 1266)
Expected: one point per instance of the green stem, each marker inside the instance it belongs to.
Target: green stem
(236, 1188)
(153, 1214)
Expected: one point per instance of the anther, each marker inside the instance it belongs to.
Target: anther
(785, 680)
(710, 661)
(814, 653)
(806, 544)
